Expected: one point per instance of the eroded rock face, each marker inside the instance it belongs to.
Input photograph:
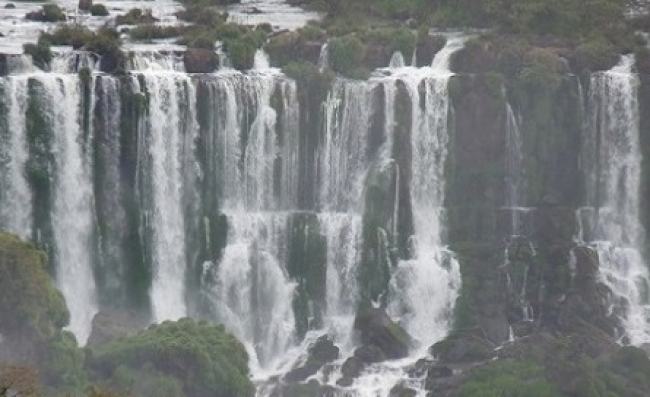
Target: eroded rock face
(376, 328)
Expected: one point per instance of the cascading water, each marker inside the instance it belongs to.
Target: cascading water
(252, 293)
(514, 169)
(425, 287)
(249, 171)
(167, 128)
(611, 160)
(72, 212)
(15, 194)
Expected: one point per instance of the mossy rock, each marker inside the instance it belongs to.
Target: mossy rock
(463, 347)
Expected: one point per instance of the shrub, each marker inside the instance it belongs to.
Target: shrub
(47, 13)
(98, 10)
(40, 53)
(346, 55)
(151, 32)
(135, 16)
(241, 50)
(202, 16)
(205, 359)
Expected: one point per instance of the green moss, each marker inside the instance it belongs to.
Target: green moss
(204, 358)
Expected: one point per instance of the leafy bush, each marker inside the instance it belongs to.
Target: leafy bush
(202, 16)
(135, 16)
(398, 39)
(241, 50)
(47, 13)
(98, 10)
(150, 32)
(204, 358)
(40, 53)
(346, 55)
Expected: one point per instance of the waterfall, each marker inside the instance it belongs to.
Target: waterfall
(109, 189)
(202, 181)
(251, 290)
(15, 194)
(72, 214)
(611, 160)
(166, 127)
(514, 169)
(425, 287)
(323, 57)
(342, 158)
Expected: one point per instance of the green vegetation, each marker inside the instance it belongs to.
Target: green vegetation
(104, 42)
(347, 55)
(30, 304)
(149, 32)
(98, 10)
(509, 378)
(209, 3)
(47, 13)
(171, 359)
(135, 16)
(203, 359)
(40, 53)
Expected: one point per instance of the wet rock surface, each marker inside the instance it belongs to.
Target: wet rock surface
(377, 329)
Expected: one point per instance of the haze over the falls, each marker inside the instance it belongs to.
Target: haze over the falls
(255, 201)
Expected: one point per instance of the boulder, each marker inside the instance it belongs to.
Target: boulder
(376, 328)
(111, 324)
(84, 5)
(370, 354)
(198, 60)
(401, 390)
(463, 347)
(352, 367)
(321, 352)
(10, 6)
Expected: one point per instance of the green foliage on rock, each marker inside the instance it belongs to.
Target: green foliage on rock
(205, 359)
(149, 32)
(509, 378)
(29, 302)
(98, 10)
(48, 13)
(241, 49)
(40, 53)
(135, 16)
(347, 55)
